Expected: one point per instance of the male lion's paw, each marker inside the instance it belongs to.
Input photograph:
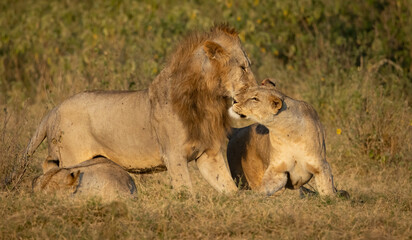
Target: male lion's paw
(343, 194)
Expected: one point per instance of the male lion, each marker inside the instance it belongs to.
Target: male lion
(95, 177)
(284, 153)
(182, 116)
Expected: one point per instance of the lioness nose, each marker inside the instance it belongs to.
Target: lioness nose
(234, 101)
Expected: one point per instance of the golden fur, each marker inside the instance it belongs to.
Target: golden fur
(198, 98)
(181, 117)
(95, 177)
(284, 153)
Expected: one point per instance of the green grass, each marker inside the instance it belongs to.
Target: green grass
(351, 60)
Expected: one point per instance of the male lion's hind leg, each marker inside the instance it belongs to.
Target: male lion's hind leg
(273, 182)
(50, 163)
(53, 158)
(214, 169)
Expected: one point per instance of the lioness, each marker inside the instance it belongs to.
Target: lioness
(181, 117)
(284, 153)
(95, 177)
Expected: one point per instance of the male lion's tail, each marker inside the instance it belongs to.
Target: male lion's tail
(39, 136)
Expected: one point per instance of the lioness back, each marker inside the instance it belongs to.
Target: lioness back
(95, 177)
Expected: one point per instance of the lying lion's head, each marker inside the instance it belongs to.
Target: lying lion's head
(206, 69)
(57, 180)
(259, 104)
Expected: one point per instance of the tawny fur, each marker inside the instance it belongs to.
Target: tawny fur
(96, 177)
(198, 98)
(182, 116)
(284, 153)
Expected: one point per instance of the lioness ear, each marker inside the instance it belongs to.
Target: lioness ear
(73, 178)
(268, 82)
(276, 104)
(214, 50)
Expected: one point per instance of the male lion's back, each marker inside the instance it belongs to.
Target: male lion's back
(114, 124)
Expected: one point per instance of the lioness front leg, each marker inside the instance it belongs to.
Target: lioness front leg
(214, 169)
(324, 180)
(273, 181)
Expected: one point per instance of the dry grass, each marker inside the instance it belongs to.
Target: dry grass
(376, 210)
(53, 49)
(380, 204)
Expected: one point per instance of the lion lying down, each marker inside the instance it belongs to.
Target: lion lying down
(94, 177)
(284, 153)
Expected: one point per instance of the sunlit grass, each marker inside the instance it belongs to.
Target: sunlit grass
(350, 60)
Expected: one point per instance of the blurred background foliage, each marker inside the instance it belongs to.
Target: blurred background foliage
(352, 60)
(123, 44)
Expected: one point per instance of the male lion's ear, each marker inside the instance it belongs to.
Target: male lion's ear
(276, 104)
(268, 82)
(73, 178)
(214, 50)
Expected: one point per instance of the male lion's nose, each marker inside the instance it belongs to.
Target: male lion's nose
(234, 101)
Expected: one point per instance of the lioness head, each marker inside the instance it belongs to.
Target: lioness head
(259, 104)
(57, 179)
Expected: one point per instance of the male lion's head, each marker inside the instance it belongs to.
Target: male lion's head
(226, 63)
(206, 70)
(260, 104)
(214, 61)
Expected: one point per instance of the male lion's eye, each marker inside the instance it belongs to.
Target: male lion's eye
(255, 99)
(243, 68)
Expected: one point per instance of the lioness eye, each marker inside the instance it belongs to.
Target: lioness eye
(255, 99)
(243, 68)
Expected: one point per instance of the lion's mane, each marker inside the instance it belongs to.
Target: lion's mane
(199, 99)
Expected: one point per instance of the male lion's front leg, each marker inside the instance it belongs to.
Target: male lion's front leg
(178, 172)
(214, 169)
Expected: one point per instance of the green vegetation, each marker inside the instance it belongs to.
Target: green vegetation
(352, 60)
